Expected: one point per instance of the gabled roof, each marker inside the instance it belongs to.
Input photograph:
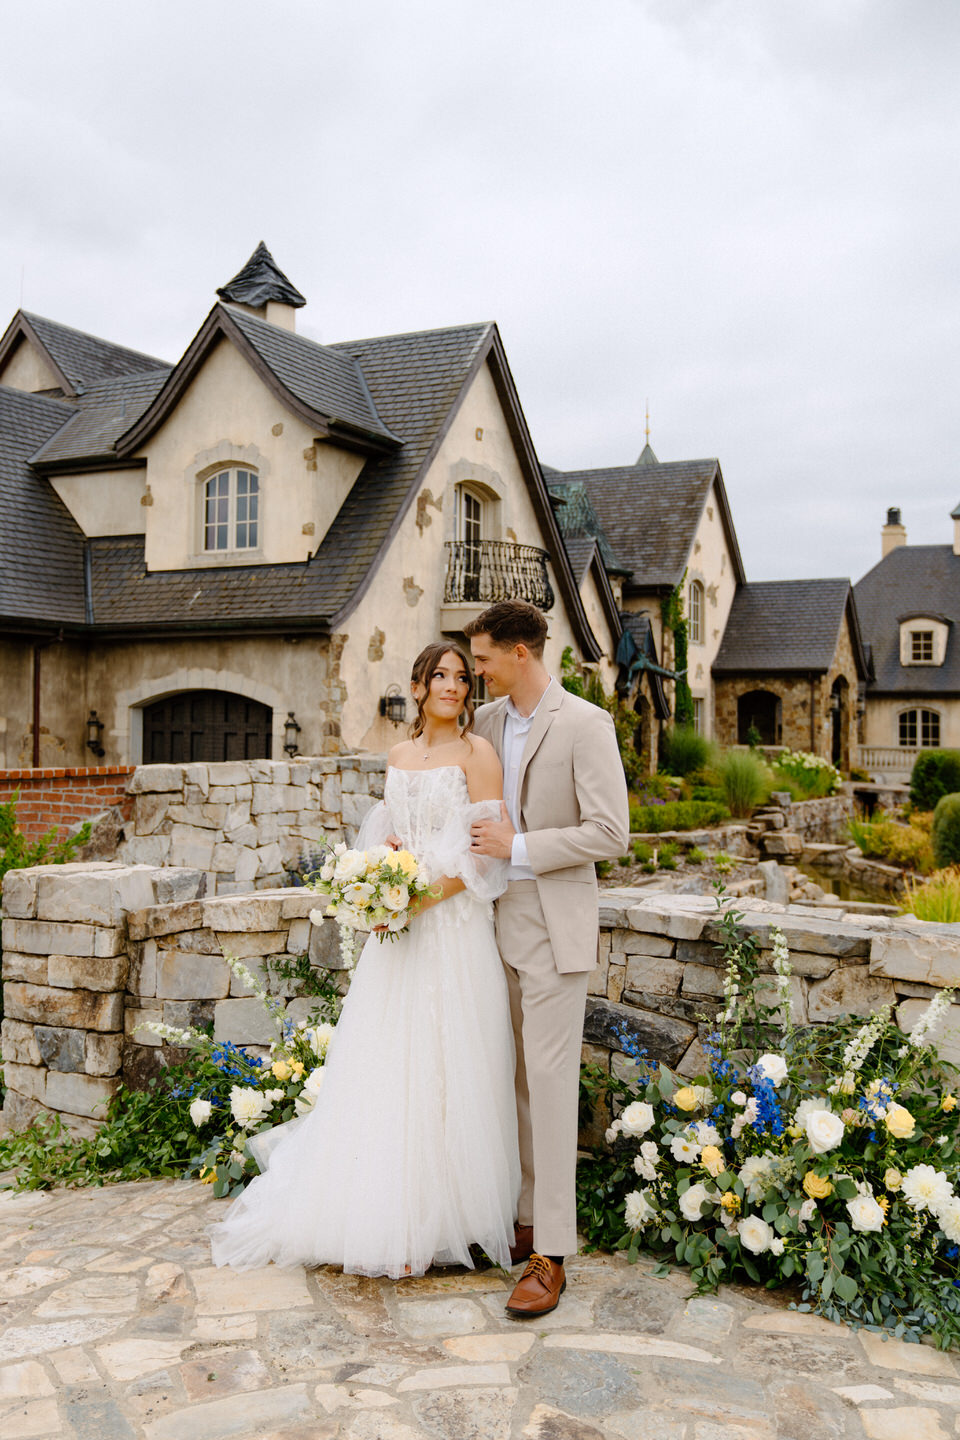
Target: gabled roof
(784, 626)
(79, 360)
(651, 512)
(579, 522)
(586, 559)
(320, 383)
(261, 280)
(912, 580)
(41, 545)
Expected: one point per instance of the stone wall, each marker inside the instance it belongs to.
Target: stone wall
(93, 952)
(58, 796)
(246, 822)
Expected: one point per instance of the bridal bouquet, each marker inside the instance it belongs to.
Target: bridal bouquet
(369, 890)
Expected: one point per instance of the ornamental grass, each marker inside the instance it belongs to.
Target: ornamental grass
(935, 899)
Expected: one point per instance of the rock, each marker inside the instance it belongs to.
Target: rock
(44, 937)
(946, 1037)
(191, 846)
(175, 884)
(653, 972)
(848, 991)
(182, 975)
(20, 893)
(783, 798)
(664, 1037)
(80, 1094)
(632, 942)
(243, 1021)
(28, 1080)
(71, 972)
(246, 912)
(932, 959)
(32, 968)
(657, 916)
(776, 886)
(149, 778)
(18, 1112)
(165, 919)
(60, 1049)
(781, 842)
(103, 1054)
(18, 1043)
(75, 1009)
(106, 833)
(324, 948)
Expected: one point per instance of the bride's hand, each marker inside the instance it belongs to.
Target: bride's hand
(394, 842)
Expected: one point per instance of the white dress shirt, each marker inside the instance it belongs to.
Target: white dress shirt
(516, 728)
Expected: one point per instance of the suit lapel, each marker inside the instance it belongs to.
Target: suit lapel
(544, 718)
(496, 727)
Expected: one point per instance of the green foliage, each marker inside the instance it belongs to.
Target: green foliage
(895, 844)
(708, 792)
(602, 867)
(642, 852)
(295, 975)
(673, 618)
(754, 738)
(935, 773)
(570, 676)
(744, 779)
(667, 855)
(17, 854)
(683, 751)
(935, 899)
(946, 831)
(624, 720)
(805, 775)
(696, 856)
(722, 862)
(676, 815)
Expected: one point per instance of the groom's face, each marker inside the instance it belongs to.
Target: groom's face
(497, 665)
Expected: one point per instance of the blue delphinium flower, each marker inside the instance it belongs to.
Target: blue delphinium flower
(769, 1117)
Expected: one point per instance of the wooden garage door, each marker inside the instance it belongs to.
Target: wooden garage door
(206, 725)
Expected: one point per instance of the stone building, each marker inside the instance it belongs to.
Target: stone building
(791, 668)
(909, 604)
(242, 552)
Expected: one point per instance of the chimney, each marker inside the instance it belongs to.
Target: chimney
(262, 289)
(955, 517)
(893, 533)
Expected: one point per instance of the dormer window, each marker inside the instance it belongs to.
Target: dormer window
(921, 646)
(231, 511)
(923, 639)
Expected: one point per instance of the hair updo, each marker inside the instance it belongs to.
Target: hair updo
(422, 673)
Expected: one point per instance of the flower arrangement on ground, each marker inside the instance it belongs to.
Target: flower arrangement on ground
(239, 1094)
(823, 1157)
(375, 890)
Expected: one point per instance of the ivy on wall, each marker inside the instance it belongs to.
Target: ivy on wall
(673, 618)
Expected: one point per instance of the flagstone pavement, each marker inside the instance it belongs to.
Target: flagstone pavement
(115, 1325)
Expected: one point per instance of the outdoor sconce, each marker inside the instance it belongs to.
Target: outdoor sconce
(95, 734)
(393, 705)
(290, 732)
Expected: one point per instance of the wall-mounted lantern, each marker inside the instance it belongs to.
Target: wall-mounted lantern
(290, 732)
(393, 705)
(95, 734)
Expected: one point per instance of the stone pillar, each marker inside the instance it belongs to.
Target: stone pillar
(65, 970)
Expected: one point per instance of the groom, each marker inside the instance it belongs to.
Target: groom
(565, 806)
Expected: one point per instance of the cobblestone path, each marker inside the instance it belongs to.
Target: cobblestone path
(115, 1325)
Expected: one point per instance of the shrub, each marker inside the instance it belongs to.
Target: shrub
(625, 860)
(935, 773)
(667, 856)
(811, 774)
(683, 751)
(935, 899)
(16, 854)
(946, 831)
(884, 839)
(743, 778)
(696, 856)
(676, 815)
(708, 792)
(641, 852)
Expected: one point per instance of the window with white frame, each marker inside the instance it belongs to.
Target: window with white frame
(698, 714)
(919, 728)
(921, 646)
(468, 528)
(695, 618)
(231, 510)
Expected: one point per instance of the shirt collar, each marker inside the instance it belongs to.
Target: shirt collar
(514, 713)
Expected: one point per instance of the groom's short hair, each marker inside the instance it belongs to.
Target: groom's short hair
(511, 622)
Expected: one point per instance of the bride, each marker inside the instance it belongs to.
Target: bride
(410, 1153)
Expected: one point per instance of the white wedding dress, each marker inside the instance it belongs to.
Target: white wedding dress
(410, 1153)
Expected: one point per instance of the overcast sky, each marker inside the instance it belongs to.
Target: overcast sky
(745, 210)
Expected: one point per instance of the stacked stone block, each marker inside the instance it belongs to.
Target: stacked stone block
(247, 822)
(65, 971)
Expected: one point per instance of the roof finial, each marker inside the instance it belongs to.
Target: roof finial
(648, 421)
(647, 456)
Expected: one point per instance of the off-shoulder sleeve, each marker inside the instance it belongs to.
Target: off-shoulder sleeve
(448, 853)
(374, 828)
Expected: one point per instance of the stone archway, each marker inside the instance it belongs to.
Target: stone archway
(759, 713)
(206, 725)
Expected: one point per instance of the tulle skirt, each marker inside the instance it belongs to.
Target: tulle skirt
(410, 1153)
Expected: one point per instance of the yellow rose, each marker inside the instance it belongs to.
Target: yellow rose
(730, 1201)
(892, 1178)
(686, 1098)
(899, 1122)
(281, 1070)
(406, 862)
(207, 1176)
(711, 1158)
(794, 1131)
(948, 1103)
(297, 1068)
(818, 1187)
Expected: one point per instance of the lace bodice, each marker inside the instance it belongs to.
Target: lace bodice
(420, 802)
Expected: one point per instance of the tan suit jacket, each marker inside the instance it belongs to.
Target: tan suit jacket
(573, 811)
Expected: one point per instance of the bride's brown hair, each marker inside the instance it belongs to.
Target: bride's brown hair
(422, 673)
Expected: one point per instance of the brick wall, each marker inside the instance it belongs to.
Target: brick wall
(56, 798)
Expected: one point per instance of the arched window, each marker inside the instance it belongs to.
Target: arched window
(919, 728)
(759, 718)
(695, 618)
(231, 510)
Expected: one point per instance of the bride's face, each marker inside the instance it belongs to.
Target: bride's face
(446, 692)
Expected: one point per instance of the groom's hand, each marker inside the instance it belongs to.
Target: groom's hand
(493, 837)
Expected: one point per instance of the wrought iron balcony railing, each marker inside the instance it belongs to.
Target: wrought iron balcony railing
(482, 572)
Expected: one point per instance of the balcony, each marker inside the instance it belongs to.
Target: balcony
(479, 573)
(888, 762)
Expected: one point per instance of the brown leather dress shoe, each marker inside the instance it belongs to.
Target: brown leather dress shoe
(539, 1288)
(522, 1247)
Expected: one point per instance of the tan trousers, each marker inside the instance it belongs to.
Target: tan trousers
(547, 1012)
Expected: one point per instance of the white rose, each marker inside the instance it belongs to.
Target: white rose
(774, 1067)
(200, 1112)
(638, 1210)
(650, 1151)
(776, 1245)
(610, 1134)
(395, 897)
(756, 1175)
(807, 1211)
(318, 1037)
(314, 1082)
(247, 1106)
(644, 1168)
(805, 1108)
(637, 1118)
(738, 1098)
(327, 869)
(274, 1095)
(824, 1130)
(350, 866)
(317, 917)
(865, 1213)
(707, 1134)
(755, 1234)
(691, 1200)
(948, 1216)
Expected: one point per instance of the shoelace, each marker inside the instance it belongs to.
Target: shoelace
(539, 1266)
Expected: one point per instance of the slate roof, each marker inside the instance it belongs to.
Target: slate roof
(778, 626)
(260, 280)
(100, 417)
(653, 511)
(42, 579)
(415, 380)
(911, 580)
(579, 522)
(86, 359)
